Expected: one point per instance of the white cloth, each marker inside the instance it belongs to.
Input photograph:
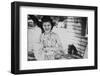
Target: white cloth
(33, 37)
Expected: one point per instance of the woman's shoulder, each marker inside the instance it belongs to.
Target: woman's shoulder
(41, 35)
(54, 34)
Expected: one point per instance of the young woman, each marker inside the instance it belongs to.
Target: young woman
(51, 46)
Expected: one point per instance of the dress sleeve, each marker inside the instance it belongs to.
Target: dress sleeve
(41, 40)
(59, 47)
(59, 44)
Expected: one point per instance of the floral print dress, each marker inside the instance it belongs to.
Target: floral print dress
(51, 46)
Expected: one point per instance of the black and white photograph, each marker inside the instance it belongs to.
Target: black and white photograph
(56, 37)
(53, 37)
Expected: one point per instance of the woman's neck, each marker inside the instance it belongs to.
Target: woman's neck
(47, 33)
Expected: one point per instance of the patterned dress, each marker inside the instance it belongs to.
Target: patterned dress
(51, 46)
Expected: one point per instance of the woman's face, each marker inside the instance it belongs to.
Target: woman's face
(47, 27)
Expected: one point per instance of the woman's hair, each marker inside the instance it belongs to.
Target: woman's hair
(46, 19)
